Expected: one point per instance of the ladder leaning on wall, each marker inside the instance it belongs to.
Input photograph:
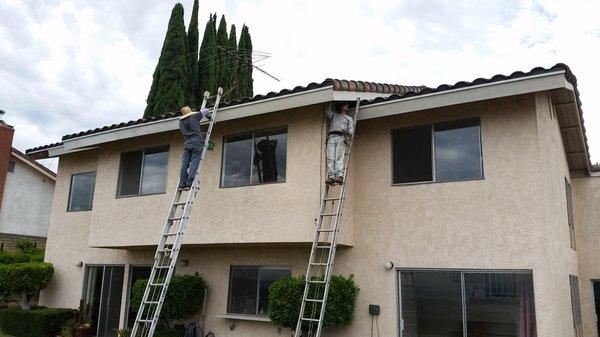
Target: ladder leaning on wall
(169, 245)
(322, 255)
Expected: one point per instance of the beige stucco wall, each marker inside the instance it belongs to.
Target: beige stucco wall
(586, 201)
(515, 218)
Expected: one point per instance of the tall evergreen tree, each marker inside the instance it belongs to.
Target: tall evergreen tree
(169, 83)
(245, 64)
(222, 42)
(232, 74)
(192, 38)
(207, 74)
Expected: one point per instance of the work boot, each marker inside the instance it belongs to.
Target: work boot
(184, 188)
(339, 180)
(330, 181)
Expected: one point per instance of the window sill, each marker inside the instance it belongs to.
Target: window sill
(138, 195)
(245, 318)
(258, 184)
(435, 182)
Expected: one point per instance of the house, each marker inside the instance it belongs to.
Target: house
(471, 210)
(22, 182)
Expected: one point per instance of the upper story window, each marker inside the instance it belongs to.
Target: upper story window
(447, 151)
(81, 192)
(249, 288)
(570, 217)
(143, 172)
(254, 158)
(11, 166)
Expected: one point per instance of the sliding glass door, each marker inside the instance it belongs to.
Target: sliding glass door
(466, 304)
(102, 290)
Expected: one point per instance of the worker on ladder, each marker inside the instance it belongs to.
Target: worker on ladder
(341, 129)
(193, 139)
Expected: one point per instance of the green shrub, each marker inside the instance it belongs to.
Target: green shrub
(37, 322)
(25, 279)
(184, 297)
(8, 257)
(24, 244)
(161, 331)
(285, 298)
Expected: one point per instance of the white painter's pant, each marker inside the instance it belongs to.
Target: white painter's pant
(335, 156)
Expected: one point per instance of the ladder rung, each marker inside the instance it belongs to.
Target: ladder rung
(316, 281)
(326, 230)
(324, 247)
(151, 302)
(313, 300)
(146, 320)
(318, 264)
(180, 203)
(310, 319)
(171, 234)
(162, 267)
(157, 284)
(331, 199)
(329, 214)
(176, 218)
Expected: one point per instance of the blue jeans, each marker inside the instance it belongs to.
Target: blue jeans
(189, 163)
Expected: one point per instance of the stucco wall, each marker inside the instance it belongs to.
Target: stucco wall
(508, 220)
(586, 200)
(26, 187)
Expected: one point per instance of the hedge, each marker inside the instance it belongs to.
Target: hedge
(285, 298)
(37, 322)
(8, 257)
(184, 297)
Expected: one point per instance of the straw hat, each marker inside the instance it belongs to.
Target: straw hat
(186, 112)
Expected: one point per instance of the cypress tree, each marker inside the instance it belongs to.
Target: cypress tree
(245, 64)
(232, 75)
(207, 79)
(169, 84)
(192, 38)
(222, 42)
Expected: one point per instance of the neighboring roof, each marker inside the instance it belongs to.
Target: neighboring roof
(596, 167)
(33, 164)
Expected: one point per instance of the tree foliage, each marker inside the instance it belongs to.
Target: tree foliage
(207, 63)
(222, 42)
(246, 86)
(192, 57)
(184, 297)
(25, 279)
(232, 73)
(285, 298)
(169, 84)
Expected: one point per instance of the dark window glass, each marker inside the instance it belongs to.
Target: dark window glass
(129, 177)
(495, 304)
(81, 194)
(457, 151)
(237, 162)
(499, 304)
(11, 166)
(412, 154)
(254, 158)
(431, 304)
(269, 157)
(249, 289)
(570, 218)
(143, 172)
(154, 171)
(266, 277)
(242, 290)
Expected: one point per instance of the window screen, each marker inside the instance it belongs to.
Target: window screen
(576, 305)
(254, 158)
(570, 217)
(11, 166)
(143, 172)
(249, 289)
(412, 154)
(81, 192)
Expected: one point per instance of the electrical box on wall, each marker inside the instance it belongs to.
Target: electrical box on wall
(374, 309)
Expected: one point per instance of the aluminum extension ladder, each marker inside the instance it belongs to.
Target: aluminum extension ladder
(320, 264)
(169, 245)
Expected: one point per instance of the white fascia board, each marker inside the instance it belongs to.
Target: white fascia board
(486, 91)
(263, 106)
(353, 95)
(32, 165)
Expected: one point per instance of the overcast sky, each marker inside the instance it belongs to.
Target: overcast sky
(67, 66)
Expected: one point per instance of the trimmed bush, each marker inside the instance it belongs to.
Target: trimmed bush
(285, 298)
(184, 297)
(25, 279)
(7, 257)
(37, 322)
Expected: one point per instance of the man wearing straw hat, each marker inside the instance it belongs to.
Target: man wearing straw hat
(193, 139)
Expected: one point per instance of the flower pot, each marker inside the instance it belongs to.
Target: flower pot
(83, 331)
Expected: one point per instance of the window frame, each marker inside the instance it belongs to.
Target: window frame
(252, 132)
(11, 166)
(139, 194)
(71, 192)
(462, 272)
(570, 214)
(258, 268)
(433, 162)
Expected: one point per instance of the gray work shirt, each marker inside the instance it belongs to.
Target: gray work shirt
(340, 122)
(190, 128)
